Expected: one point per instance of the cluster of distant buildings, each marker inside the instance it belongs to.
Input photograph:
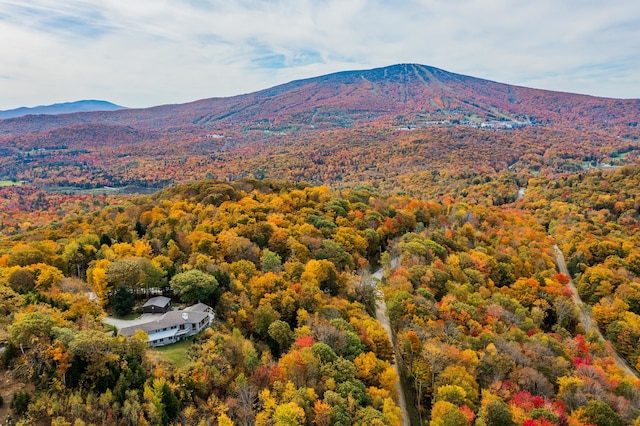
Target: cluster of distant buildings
(492, 124)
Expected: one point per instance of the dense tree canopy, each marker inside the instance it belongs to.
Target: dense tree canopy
(194, 286)
(484, 325)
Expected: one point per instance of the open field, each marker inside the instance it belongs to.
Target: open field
(105, 190)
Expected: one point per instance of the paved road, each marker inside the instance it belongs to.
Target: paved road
(585, 315)
(381, 315)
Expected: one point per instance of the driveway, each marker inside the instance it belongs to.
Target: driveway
(120, 323)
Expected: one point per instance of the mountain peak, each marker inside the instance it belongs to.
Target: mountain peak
(403, 95)
(62, 108)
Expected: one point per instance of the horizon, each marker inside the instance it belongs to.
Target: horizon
(67, 102)
(151, 53)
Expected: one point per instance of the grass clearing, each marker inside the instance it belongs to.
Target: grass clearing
(619, 156)
(175, 353)
(9, 183)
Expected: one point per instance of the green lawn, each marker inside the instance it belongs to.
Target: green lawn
(175, 353)
(9, 183)
(619, 156)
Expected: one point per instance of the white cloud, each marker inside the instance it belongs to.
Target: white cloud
(148, 52)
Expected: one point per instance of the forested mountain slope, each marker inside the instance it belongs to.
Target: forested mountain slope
(324, 130)
(415, 92)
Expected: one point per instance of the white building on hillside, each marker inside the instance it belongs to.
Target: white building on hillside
(174, 326)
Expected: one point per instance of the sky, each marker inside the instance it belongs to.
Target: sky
(140, 53)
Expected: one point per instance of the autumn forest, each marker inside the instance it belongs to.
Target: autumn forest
(493, 229)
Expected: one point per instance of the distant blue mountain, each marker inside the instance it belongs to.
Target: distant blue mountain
(62, 108)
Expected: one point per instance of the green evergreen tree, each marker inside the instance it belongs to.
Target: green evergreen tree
(122, 301)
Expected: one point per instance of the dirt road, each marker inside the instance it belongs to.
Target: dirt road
(381, 315)
(585, 316)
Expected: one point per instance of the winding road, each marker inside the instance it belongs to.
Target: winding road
(585, 316)
(381, 315)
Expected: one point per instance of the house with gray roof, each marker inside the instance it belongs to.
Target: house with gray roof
(173, 326)
(157, 305)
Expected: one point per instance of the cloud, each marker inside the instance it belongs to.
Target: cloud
(63, 21)
(149, 52)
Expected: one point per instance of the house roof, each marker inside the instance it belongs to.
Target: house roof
(159, 301)
(170, 319)
(198, 307)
